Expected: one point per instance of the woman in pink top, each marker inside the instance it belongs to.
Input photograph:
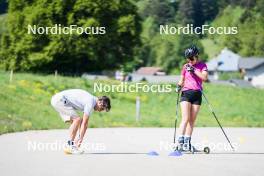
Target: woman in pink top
(194, 72)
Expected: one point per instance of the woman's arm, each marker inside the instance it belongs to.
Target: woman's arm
(202, 75)
(180, 84)
(181, 81)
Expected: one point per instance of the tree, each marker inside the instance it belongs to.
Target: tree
(197, 12)
(74, 53)
(250, 23)
(161, 11)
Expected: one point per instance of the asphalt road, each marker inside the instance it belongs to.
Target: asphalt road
(123, 151)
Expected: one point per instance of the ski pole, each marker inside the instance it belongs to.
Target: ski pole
(211, 109)
(175, 124)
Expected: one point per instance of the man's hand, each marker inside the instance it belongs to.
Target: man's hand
(78, 142)
(178, 88)
(190, 68)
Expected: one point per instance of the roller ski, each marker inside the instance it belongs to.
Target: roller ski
(191, 149)
(185, 146)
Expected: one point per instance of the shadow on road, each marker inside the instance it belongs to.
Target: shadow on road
(116, 153)
(227, 153)
(216, 153)
(237, 153)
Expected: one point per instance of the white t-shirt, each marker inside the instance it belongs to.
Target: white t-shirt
(80, 100)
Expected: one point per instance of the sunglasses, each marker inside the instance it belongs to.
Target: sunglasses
(191, 59)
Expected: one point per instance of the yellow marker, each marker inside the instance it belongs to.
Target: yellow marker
(67, 151)
(205, 139)
(241, 140)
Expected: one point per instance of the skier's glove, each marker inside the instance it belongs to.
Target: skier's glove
(190, 68)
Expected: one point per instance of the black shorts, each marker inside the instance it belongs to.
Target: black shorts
(192, 96)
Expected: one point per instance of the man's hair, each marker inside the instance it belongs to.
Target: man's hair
(106, 102)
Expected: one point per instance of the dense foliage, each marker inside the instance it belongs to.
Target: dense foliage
(249, 18)
(132, 39)
(70, 53)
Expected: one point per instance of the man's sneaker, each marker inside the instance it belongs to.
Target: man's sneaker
(72, 149)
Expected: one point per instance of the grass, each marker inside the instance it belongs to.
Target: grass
(25, 105)
(228, 76)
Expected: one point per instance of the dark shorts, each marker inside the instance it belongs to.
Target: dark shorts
(192, 96)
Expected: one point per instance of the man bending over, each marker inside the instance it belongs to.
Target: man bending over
(67, 103)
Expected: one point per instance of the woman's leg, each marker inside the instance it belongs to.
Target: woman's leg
(189, 129)
(194, 112)
(186, 113)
